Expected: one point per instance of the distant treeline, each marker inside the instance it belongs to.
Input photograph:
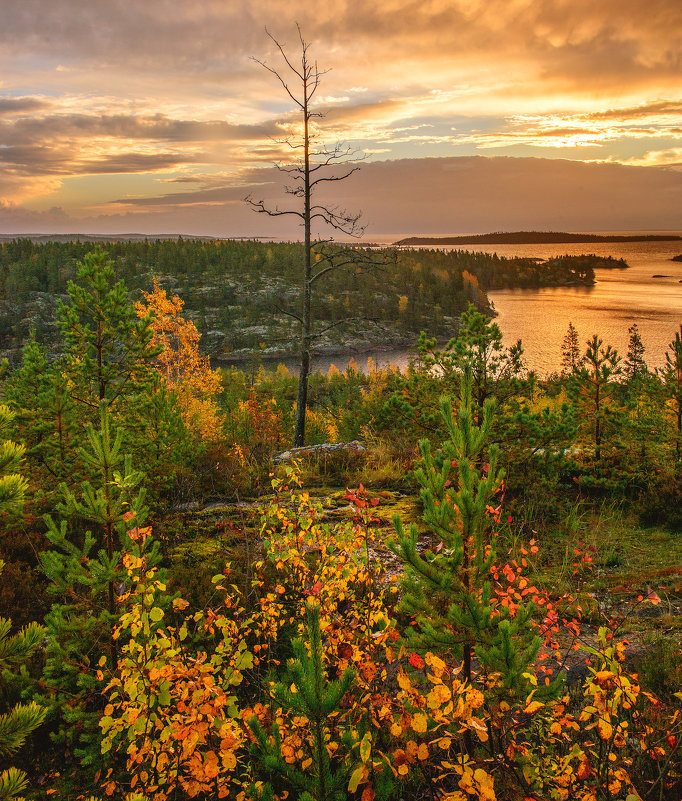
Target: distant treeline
(244, 295)
(533, 238)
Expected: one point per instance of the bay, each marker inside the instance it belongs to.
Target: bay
(540, 317)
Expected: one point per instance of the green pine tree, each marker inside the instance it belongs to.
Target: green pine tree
(306, 690)
(477, 348)
(17, 723)
(86, 575)
(109, 349)
(593, 390)
(671, 374)
(449, 591)
(570, 351)
(635, 366)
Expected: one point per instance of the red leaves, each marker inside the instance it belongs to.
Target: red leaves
(416, 661)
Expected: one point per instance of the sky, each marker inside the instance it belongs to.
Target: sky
(465, 116)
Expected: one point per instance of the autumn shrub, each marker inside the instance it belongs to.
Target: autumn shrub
(219, 701)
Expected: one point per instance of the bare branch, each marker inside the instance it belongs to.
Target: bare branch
(345, 321)
(331, 178)
(289, 314)
(261, 208)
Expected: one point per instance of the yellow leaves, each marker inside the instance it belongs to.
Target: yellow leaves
(604, 677)
(438, 667)
(584, 768)
(533, 706)
(366, 747)
(439, 696)
(478, 783)
(404, 682)
(605, 729)
(359, 775)
(419, 723)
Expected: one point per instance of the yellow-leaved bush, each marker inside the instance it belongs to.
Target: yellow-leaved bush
(182, 367)
(187, 685)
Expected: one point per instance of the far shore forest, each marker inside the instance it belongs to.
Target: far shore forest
(467, 586)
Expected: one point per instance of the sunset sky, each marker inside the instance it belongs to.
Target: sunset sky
(473, 115)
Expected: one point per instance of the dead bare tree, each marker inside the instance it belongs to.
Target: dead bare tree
(312, 168)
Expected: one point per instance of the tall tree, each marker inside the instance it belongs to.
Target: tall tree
(672, 379)
(592, 387)
(570, 351)
(635, 366)
(185, 371)
(108, 348)
(109, 361)
(316, 166)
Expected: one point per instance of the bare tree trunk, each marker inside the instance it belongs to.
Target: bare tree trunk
(306, 326)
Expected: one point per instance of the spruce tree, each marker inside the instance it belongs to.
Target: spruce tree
(45, 417)
(449, 590)
(634, 366)
(570, 351)
(306, 690)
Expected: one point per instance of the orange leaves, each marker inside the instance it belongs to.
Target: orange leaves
(183, 368)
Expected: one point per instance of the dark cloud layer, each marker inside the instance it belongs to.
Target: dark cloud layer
(573, 39)
(437, 196)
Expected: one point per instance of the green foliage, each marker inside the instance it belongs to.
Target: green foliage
(307, 691)
(570, 351)
(634, 366)
(671, 375)
(108, 348)
(45, 418)
(17, 723)
(449, 589)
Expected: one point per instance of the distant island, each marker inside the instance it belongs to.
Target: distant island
(532, 238)
(677, 258)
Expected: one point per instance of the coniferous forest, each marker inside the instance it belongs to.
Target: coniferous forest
(467, 585)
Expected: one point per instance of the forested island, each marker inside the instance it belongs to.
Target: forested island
(244, 295)
(532, 238)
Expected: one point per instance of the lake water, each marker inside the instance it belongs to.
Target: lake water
(540, 317)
